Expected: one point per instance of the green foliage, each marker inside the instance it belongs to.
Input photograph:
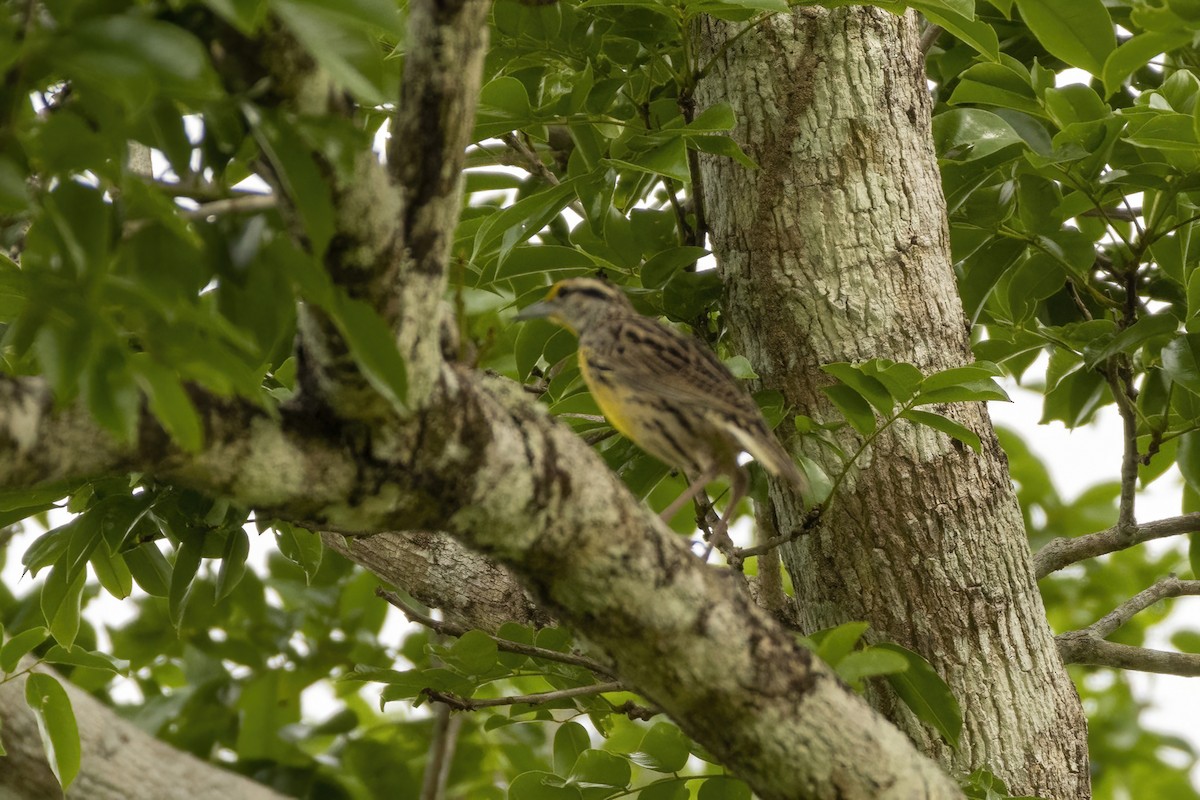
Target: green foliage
(910, 676)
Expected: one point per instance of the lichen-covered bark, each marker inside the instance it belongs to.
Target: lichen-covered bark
(489, 466)
(119, 761)
(466, 587)
(842, 235)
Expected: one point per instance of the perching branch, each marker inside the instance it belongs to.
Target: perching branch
(460, 703)
(507, 645)
(1063, 552)
(1127, 520)
(601, 562)
(1088, 645)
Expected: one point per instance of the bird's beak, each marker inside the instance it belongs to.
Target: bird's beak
(539, 310)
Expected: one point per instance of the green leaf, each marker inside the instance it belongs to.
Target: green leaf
(60, 601)
(600, 768)
(965, 27)
(268, 702)
(233, 563)
(300, 546)
(245, 15)
(870, 387)
(676, 789)
(373, 345)
(77, 656)
(341, 36)
(1136, 52)
(854, 408)
(150, 569)
(961, 384)
(721, 145)
(869, 663)
(946, 425)
(56, 723)
(1181, 363)
(926, 694)
(664, 748)
(662, 266)
(723, 788)
(570, 740)
(474, 653)
(536, 785)
(169, 401)
(503, 107)
(1079, 32)
(668, 159)
(129, 55)
(15, 648)
(302, 180)
(740, 367)
(112, 572)
(834, 644)
(718, 117)
(521, 220)
(966, 134)
(1132, 338)
(187, 562)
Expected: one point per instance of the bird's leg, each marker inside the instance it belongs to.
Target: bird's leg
(695, 488)
(739, 484)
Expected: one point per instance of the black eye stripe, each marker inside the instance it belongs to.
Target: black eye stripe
(586, 291)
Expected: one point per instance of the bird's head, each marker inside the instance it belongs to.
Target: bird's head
(579, 303)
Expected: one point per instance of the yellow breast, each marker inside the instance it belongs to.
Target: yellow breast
(611, 400)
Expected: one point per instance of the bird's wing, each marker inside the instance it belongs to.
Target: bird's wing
(647, 357)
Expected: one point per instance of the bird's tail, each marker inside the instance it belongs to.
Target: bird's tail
(768, 452)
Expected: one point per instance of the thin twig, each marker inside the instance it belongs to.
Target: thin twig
(507, 645)
(1088, 645)
(244, 204)
(929, 37)
(1063, 552)
(441, 753)
(460, 703)
(1126, 520)
(587, 417)
(1123, 214)
(200, 192)
(808, 526)
(533, 164)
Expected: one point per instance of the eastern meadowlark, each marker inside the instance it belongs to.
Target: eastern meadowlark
(666, 392)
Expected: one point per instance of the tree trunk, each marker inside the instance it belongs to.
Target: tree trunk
(841, 235)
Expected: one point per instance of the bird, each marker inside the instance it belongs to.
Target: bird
(666, 392)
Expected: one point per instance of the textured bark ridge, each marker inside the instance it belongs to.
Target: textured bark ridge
(119, 761)
(842, 235)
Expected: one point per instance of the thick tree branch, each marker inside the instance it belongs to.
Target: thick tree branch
(447, 40)
(469, 589)
(488, 466)
(1088, 645)
(1063, 551)
(120, 761)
